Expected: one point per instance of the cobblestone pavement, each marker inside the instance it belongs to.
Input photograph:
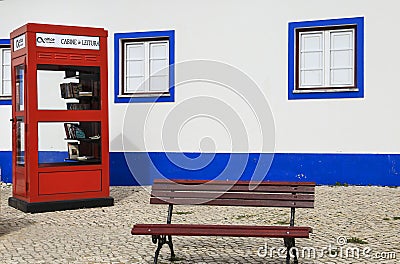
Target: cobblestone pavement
(102, 235)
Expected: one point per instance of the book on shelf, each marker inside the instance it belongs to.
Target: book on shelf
(73, 150)
(78, 106)
(85, 94)
(73, 131)
(96, 88)
(70, 90)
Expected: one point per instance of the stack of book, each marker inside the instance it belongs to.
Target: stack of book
(70, 90)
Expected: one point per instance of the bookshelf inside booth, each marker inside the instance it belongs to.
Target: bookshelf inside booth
(71, 88)
(79, 143)
(83, 147)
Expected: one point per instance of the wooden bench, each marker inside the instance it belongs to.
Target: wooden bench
(228, 193)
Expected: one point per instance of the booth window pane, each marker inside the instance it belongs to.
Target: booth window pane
(20, 75)
(68, 87)
(72, 143)
(20, 158)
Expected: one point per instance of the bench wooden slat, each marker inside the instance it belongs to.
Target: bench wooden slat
(233, 188)
(236, 195)
(221, 230)
(217, 182)
(234, 202)
(218, 226)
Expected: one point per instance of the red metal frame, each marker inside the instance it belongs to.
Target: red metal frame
(55, 183)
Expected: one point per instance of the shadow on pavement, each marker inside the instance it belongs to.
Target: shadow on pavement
(9, 225)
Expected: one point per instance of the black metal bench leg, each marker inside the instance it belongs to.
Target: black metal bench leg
(171, 247)
(289, 244)
(160, 241)
(157, 254)
(295, 261)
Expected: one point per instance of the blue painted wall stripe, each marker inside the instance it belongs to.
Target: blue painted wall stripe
(325, 169)
(4, 42)
(5, 166)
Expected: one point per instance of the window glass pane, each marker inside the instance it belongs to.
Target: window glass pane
(343, 58)
(311, 41)
(135, 68)
(341, 40)
(311, 78)
(135, 51)
(6, 88)
(159, 83)
(158, 67)
(20, 153)
(311, 60)
(6, 57)
(342, 77)
(134, 84)
(6, 72)
(158, 50)
(20, 76)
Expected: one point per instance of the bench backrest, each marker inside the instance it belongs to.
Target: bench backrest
(231, 193)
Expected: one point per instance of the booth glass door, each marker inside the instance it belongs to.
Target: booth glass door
(19, 127)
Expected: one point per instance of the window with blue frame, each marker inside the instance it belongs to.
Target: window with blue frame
(326, 59)
(144, 66)
(5, 72)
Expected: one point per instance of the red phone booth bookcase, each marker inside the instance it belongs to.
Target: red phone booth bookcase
(59, 118)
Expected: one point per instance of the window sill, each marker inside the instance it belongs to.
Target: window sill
(325, 90)
(140, 95)
(144, 98)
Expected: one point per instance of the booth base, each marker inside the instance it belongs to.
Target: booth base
(59, 205)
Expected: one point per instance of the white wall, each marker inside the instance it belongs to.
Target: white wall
(252, 36)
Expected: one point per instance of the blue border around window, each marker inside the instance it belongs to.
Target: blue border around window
(359, 22)
(148, 34)
(5, 101)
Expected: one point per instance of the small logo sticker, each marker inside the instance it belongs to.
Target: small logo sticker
(19, 42)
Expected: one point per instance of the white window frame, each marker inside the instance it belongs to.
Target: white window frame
(326, 85)
(147, 89)
(3, 78)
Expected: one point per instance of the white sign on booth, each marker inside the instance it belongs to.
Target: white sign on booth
(67, 41)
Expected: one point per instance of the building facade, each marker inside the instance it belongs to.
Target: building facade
(262, 90)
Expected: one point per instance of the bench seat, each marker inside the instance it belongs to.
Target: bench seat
(222, 230)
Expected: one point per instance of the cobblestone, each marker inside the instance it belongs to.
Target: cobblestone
(102, 235)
